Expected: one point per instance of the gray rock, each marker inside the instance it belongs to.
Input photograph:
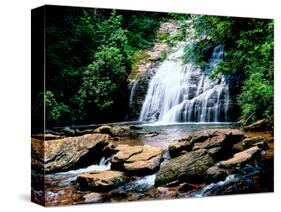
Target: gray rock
(190, 167)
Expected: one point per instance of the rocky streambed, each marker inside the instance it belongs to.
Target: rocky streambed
(127, 163)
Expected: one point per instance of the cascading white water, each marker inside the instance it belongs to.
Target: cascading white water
(185, 93)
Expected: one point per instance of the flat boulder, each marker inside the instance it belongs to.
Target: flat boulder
(63, 154)
(240, 158)
(254, 141)
(202, 135)
(218, 142)
(189, 167)
(217, 146)
(101, 180)
(137, 160)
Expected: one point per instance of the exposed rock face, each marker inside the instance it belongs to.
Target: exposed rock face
(63, 154)
(189, 167)
(120, 131)
(101, 181)
(215, 146)
(254, 141)
(139, 88)
(218, 142)
(240, 158)
(137, 160)
(180, 147)
(200, 136)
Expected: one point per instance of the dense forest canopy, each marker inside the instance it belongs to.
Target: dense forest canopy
(91, 53)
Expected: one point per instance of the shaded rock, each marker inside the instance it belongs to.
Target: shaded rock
(68, 131)
(263, 124)
(215, 174)
(136, 127)
(238, 147)
(234, 135)
(115, 131)
(101, 180)
(240, 157)
(189, 167)
(199, 136)
(66, 153)
(186, 187)
(166, 193)
(138, 160)
(254, 141)
(216, 146)
(120, 131)
(37, 154)
(105, 129)
(180, 147)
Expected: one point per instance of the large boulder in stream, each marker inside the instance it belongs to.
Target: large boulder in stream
(101, 180)
(218, 142)
(115, 131)
(189, 167)
(137, 160)
(63, 154)
(241, 157)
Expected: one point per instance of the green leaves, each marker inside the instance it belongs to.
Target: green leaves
(54, 110)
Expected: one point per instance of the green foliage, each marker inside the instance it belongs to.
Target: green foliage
(53, 109)
(139, 57)
(104, 78)
(89, 57)
(163, 55)
(142, 28)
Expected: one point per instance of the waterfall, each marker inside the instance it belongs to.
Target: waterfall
(185, 93)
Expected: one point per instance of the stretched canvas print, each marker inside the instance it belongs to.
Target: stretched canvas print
(135, 105)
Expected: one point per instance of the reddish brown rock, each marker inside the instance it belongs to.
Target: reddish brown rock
(240, 157)
(137, 160)
(101, 180)
(63, 154)
(180, 147)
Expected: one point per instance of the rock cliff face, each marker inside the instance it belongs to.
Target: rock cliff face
(139, 88)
